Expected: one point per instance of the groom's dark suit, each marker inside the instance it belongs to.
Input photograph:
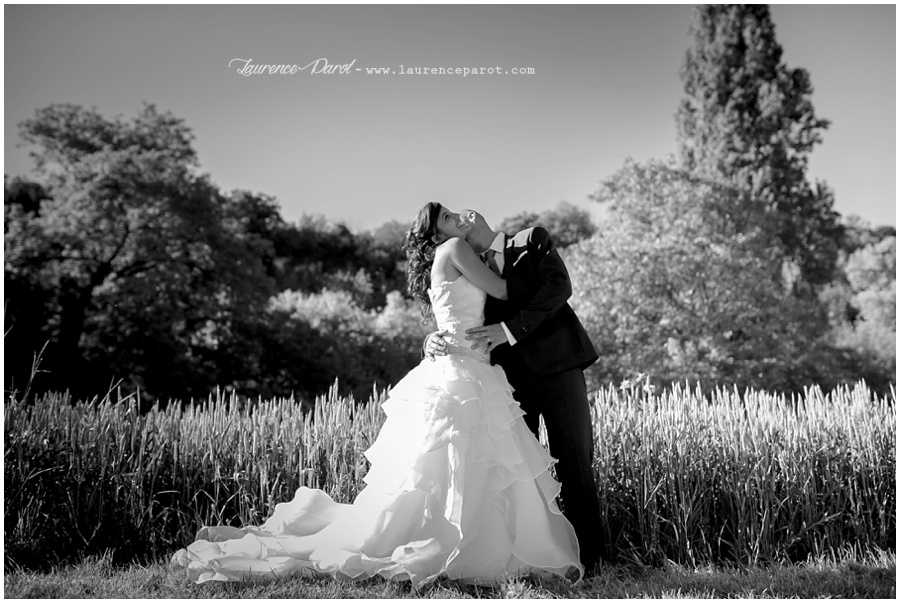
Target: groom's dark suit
(545, 368)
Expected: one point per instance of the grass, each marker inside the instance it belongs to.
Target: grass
(684, 475)
(847, 575)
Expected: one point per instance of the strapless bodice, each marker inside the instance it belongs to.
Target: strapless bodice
(458, 305)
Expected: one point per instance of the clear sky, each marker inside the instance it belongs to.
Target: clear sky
(365, 149)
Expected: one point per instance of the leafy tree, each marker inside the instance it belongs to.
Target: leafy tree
(140, 275)
(521, 221)
(362, 348)
(872, 275)
(401, 321)
(681, 283)
(255, 219)
(838, 295)
(566, 223)
(381, 254)
(872, 329)
(315, 254)
(26, 195)
(23, 321)
(858, 233)
(747, 118)
(135, 267)
(389, 235)
(861, 306)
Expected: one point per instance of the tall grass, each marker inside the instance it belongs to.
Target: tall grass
(82, 477)
(745, 478)
(684, 475)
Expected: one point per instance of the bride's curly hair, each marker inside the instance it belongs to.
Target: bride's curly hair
(419, 247)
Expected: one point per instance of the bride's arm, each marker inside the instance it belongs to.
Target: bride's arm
(470, 265)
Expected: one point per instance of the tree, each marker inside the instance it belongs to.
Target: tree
(381, 256)
(390, 235)
(681, 283)
(256, 220)
(566, 223)
(871, 273)
(749, 119)
(401, 321)
(141, 276)
(521, 221)
(26, 195)
(135, 267)
(861, 305)
(362, 348)
(23, 321)
(858, 233)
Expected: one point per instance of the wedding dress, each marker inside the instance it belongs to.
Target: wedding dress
(458, 486)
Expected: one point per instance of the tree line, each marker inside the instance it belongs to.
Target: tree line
(124, 265)
(725, 263)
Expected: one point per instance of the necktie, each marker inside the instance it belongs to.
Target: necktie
(491, 261)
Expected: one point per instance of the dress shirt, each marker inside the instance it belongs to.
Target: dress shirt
(499, 245)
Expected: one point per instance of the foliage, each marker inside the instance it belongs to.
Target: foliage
(364, 348)
(401, 321)
(133, 269)
(315, 254)
(256, 221)
(748, 118)
(680, 282)
(566, 223)
(862, 307)
(859, 233)
(729, 269)
(690, 476)
(871, 272)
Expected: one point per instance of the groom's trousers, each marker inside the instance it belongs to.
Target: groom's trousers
(562, 400)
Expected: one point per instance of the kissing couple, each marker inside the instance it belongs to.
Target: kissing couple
(459, 485)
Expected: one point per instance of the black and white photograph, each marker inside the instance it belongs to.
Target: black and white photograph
(408, 301)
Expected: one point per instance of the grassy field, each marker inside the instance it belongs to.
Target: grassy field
(846, 576)
(688, 479)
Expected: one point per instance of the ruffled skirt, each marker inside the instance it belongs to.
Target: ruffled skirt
(458, 487)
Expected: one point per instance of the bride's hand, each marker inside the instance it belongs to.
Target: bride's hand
(436, 345)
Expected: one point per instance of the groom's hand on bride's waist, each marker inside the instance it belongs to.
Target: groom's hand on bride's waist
(488, 337)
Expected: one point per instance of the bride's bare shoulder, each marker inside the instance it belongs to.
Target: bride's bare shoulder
(444, 252)
(455, 246)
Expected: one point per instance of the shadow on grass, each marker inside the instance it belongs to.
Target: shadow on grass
(872, 577)
(875, 578)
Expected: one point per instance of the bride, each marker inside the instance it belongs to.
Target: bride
(458, 485)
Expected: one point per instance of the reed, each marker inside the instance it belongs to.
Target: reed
(684, 475)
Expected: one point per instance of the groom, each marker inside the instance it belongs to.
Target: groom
(539, 342)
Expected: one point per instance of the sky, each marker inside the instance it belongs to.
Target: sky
(367, 148)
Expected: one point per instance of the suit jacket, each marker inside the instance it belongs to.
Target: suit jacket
(549, 336)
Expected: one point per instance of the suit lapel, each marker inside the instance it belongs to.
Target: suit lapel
(507, 256)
